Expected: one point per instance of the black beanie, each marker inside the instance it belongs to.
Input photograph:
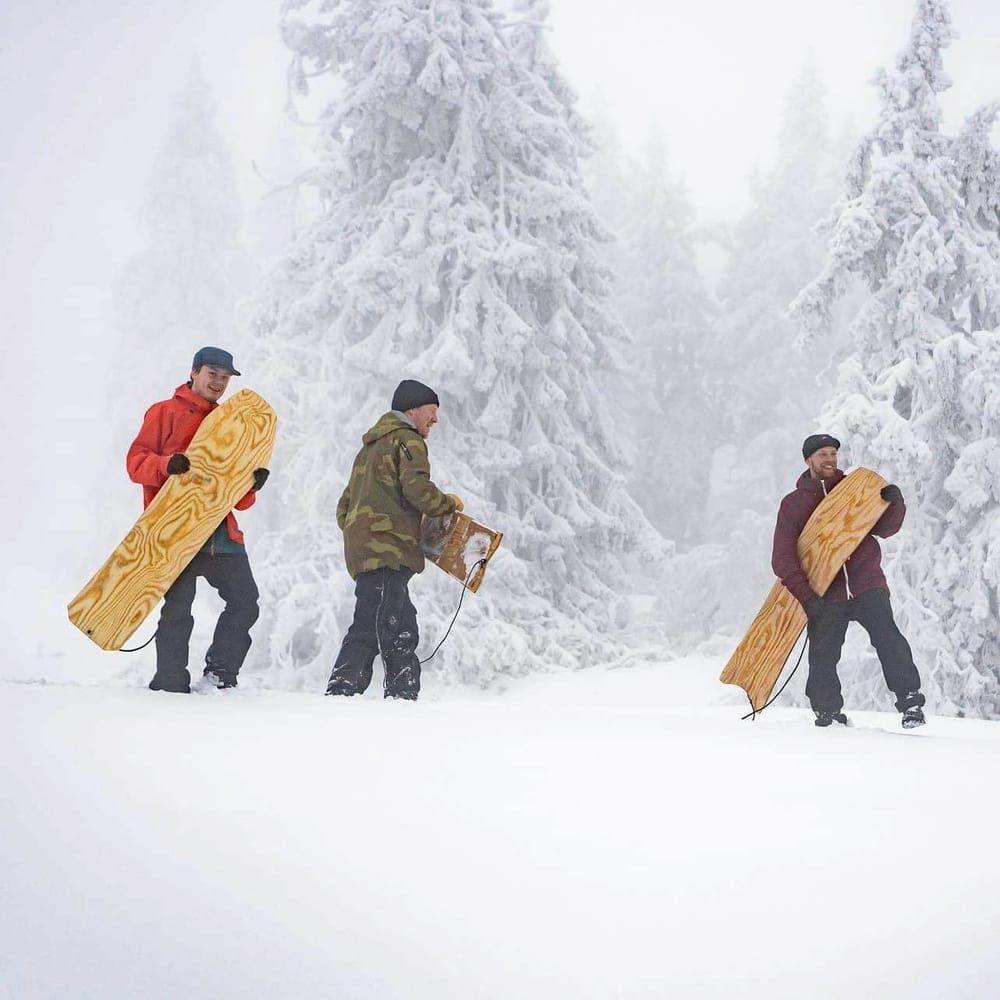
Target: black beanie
(410, 394)
(814, 442)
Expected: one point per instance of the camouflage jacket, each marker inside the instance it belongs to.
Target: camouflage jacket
(389, 490)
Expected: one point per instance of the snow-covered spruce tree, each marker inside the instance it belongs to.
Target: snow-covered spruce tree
(763, 391)
(180, 291)
(917, 399)
(768, 385)
(455, 245)
(668, 312)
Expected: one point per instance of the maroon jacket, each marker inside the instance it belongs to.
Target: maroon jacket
(863, 571)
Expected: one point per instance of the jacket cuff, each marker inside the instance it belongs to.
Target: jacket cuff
(801, 591)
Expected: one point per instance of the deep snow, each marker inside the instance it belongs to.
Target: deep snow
(609, 833)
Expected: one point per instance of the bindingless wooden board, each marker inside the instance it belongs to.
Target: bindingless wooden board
(455, 543)
(232, 441)
(836, 528)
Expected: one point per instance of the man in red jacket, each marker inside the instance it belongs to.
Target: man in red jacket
(156, 454)
(858, 593)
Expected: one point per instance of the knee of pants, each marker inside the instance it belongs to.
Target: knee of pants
(399, 636)
(396, 621)
(356, 644)
(823, 660)
(827, 636)
(176, 613)
(252, 613)
(245, 611)
(886, 635)
(823, 636)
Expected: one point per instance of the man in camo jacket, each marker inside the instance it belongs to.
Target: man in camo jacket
(390, 489)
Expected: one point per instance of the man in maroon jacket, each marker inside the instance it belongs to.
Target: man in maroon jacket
(158, 453)
(858, 593)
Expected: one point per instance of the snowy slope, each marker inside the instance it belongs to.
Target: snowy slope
(603, 834)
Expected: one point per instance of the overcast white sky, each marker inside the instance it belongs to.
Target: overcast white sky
(712, 74)
(86, 87)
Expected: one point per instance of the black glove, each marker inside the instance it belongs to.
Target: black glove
(816, 610)
(259, 478)
(178, 463)
(892, 493)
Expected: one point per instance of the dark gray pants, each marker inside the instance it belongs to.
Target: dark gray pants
(826, 639)
(230, 575)
(385, 621)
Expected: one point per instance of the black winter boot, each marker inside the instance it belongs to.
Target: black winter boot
(824, 719)
(913, 717)
(174, 683)
(219, 677)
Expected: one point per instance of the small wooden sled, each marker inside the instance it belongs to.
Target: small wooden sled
(232, 441)
(836, 528)
(455, 543)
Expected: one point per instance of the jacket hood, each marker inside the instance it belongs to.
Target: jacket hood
(807, 484)
(386, 424)
(186, 395)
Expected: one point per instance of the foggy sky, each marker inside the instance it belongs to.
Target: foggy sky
(712, 75)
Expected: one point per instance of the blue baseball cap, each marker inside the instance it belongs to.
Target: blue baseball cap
(216, 357)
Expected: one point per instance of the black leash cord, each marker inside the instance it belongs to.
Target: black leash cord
(754, 712)
(465, 587)
(136, 649)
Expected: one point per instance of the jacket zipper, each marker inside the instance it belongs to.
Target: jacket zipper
(847, 579)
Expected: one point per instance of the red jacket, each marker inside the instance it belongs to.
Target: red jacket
(863, 571)
(167, 429)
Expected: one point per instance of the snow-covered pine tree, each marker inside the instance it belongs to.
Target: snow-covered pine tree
(455, 245)
(668, 312)
(181, 290)
(917, 399)
(769, 385)
(764, 391)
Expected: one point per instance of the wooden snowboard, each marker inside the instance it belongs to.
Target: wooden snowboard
(455, 543)
(232, 441)
(836, 528)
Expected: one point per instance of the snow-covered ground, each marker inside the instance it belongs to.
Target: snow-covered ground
(603, 834)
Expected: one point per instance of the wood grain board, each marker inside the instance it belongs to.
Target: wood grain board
(455, 543)
(836, 528)
(232, 441)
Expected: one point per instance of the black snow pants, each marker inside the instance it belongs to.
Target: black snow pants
(229, 573)
(826, 639)
(385, 621)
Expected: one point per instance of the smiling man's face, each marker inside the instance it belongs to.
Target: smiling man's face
(823, 463)
(210, 382)
(424, 418)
